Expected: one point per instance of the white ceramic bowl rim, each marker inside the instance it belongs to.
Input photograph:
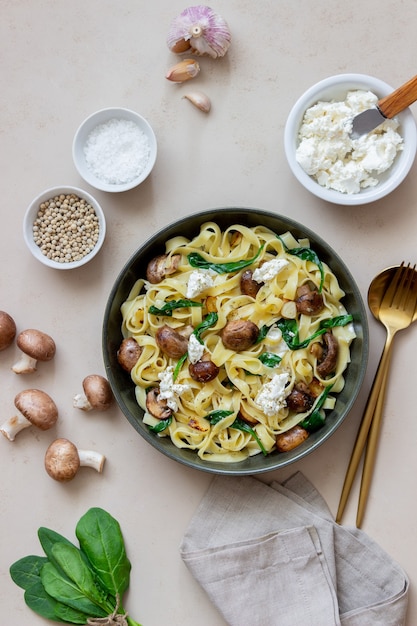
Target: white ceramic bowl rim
(32, 211)
(334, 88)
(94, 120)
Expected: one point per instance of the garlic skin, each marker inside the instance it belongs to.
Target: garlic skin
(199, 99)
(199, 30)
(182, 71)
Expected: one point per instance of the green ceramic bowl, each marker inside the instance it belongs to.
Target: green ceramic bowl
(123, 386)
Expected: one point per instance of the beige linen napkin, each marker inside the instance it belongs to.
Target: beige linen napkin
(271, 555)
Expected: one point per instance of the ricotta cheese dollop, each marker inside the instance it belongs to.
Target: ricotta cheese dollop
(335, 160)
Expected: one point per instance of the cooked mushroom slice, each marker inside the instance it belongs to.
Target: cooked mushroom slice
(35, 346)
(239, 335)
(36, 409)
(330, 353)
(204, 370)
(247, 417)
(63, 460)
(7, 330)
(291, 438)
(300, 398)
(161, 266)
(309, 300)
(157, 406)
(248, 286)
(171, 342)
(97, 394)
(128, 353)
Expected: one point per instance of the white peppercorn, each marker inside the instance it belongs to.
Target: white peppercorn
(66, 228)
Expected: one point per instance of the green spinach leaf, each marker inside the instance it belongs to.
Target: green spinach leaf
(239, 424)
(209, 321)
(171, 305)
(306, 254)
(101, 540)
(315, 420)
(161, 425)
(289, 330)
(197, 260)
(270, 359)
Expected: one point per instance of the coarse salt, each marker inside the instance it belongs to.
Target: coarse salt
(117, 151)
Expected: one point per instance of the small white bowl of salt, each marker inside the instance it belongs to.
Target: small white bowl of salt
(114, 149)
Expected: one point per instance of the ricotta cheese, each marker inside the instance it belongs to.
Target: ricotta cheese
(327, 153)
(195, 349)
(268, 270)
(168, 390)
(271, 397)
(198, 282)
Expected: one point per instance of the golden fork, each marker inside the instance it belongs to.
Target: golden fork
(396, 313)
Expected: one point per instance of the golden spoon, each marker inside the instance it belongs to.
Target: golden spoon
(396, 314)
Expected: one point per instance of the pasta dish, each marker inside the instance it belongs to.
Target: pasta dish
(236, 341)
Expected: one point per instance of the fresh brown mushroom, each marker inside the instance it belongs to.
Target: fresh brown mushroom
(328, 363)
(156, 406)
(291, 438)
(309, 300)
(248, 286)
(161, 266)
(300, 398)
(97, 394)
(204, 370)
(35, 346)
(128, 353)
(172, 343)
(36, 409)
(239, 335)
(7, 330)
(63, 460)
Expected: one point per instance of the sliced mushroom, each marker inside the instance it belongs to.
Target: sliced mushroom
(239, 335)
(36, 409)
(63, 460)
(35, 346)
(157, 406)
(309, 300)
(161, 266)
(204, 370)
(97, 394)
(7, 330)
(248, 286)
(247, 417)
(128, 353)
(328, 364)
(291, 438)
(300, 399)
(171, 342)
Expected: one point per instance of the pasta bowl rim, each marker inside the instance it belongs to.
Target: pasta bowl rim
(123, 387)
(336, 87)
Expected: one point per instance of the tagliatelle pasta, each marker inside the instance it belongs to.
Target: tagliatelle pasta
(252, 398)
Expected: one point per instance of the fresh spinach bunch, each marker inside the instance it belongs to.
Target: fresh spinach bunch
(78, 585)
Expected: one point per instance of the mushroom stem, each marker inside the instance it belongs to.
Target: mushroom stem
(13, 426)
(90, 458)
(25, 365)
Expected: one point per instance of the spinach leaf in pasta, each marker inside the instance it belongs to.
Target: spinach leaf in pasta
(289, 330)
(218, 415)
(171, 305)
(315, 420)
(270, 359)
(306, 254)
(196, 260)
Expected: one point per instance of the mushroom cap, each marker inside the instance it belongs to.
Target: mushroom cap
(61, 460)
(36, 344)
(98, 392)
(37, 407)
(7, 330)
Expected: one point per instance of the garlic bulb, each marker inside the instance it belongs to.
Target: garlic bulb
(199, 99)
(199, 30)
(182, 71)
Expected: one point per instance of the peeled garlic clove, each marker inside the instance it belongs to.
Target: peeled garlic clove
(182, 71)
(206, 32)
(199, 99)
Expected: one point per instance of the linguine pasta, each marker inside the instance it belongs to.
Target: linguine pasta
(242, 410)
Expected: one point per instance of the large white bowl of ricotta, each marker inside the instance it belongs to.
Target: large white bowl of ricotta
(328, 162)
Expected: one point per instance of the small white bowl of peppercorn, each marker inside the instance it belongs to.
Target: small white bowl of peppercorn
(64, 227)
(114, 149)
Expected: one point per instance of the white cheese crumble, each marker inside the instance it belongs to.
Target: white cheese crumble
(198, 282)
(168, 390)
(195, 349)
(268, 270)
(271, 397)
(327, 153)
